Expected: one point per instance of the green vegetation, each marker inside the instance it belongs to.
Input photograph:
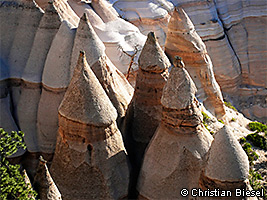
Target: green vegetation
(257, 140)
(12, 185)
(206, 118)
(221, 121)
(254, 177)
(233, 119)
(229, 105)
(252, 156)
(257, 126)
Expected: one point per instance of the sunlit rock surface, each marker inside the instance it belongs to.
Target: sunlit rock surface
(179, 145)
(90, 158)
(183, 40)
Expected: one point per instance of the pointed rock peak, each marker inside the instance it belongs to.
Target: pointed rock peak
(178, 62)
(179, 91)
(44, 183)
(180, 21)
(84, 18)
(50, 7)
(94, 46)
(85, 100)
(152, 57)
(227, 160)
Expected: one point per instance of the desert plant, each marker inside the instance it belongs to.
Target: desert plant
(229, 105)
(12, 184)
(233, 119)
(206, 118)
(252, 155)
(257, 126)
(257, 140)
(221, 121)
(254, 181)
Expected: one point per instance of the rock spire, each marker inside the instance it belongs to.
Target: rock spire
(114, 83)
(183, 40)
(227, 165)
(145, 109)
(179, 145)
(90, 158)
(44, 183)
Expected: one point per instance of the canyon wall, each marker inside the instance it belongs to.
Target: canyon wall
(234, 33)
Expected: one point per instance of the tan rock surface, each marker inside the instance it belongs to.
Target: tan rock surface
(227, 165)
(44, 183)
(178, 147)
(90, 159)
(114, 83)
(104, 10)
(147, 15)
(47, 29)
(144, 112)
(27, 26)
(182, 40)
(55, 79)
(27, 113)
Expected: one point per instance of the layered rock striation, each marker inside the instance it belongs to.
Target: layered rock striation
(120, 37)
(179, 145)
(183, 40)
(147, 15)
(144, 112)
(112, 80)
(90, 159)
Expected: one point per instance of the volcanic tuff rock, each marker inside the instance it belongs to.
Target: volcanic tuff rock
(179, 145)
(228, 29)
(32, 76)
(183, 40)
(147, 15)
(112, 80)
(116, 34)
(90, 159)
(44, 184)
(227, 165)
(144, 112)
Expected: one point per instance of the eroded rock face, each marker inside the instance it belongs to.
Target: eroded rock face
(90, 159)
(227, 28)
(227, 165)
(144, 112)
(44, 184)
(112, 80)
(183, 40)
(179, 145)
(118, 35)
(147, 15)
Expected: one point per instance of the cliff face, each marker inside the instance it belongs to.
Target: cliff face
(228, 29)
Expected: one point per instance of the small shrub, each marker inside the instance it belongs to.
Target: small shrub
(205, 117)
(205, 120)
(221, 121)
(252, 155)
(257, 140)
(257, 126)
(254, 178)
(233, 119)
(229, 105)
